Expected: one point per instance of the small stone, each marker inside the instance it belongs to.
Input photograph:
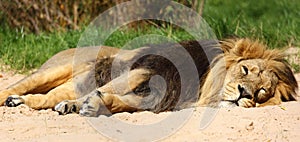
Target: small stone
(282, 107)
(119, 131)
(250, 126)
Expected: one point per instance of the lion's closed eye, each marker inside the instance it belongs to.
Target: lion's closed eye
(245, 70)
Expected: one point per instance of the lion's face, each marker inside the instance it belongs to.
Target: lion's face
(248, 74)
(247, 83)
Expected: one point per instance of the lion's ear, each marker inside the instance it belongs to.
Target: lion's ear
(228, 44)
(287, 84)
(239, 45)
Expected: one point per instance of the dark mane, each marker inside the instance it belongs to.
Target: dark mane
(168, 61)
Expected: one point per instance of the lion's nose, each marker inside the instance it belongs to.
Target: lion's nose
(243, 93)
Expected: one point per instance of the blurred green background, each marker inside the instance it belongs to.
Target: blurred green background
(33, 31)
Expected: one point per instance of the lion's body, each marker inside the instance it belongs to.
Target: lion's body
(101, 80)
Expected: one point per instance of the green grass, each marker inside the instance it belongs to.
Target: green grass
(122, 37)
(276, 23)
(27, 51)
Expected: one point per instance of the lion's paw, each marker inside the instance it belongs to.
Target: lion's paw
(93, 106)
(92, 110)
(247, 103)
(88, 110)
(66, 107)
(14, 100)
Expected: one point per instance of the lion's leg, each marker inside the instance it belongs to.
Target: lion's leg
(42, 101)
(115, 96)
(39, 83)
(106, 104)
(95, 104)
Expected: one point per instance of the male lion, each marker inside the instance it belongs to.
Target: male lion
(242, 73)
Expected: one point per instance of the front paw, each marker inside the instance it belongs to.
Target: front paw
(94, 106)
(247, 103)
(90, 106)
(88, 110)
(94, 110)
(66, 107)
(14, 100)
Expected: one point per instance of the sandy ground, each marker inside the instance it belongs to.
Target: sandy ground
(273, 123)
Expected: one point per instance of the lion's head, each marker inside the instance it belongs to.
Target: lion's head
(247, 74)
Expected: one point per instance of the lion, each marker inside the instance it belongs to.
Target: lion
(162, 77)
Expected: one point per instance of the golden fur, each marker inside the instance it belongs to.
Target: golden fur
(246, 74)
